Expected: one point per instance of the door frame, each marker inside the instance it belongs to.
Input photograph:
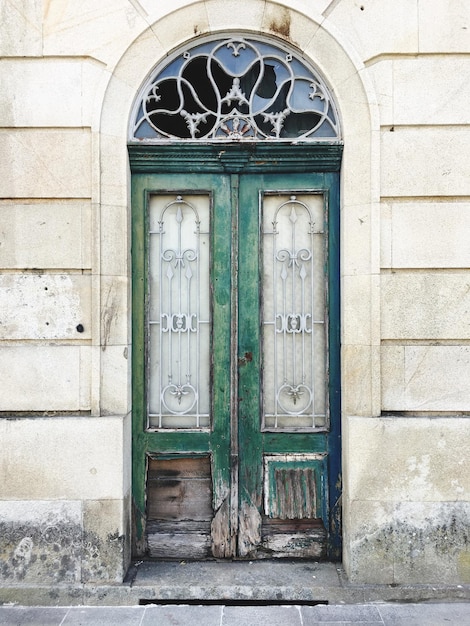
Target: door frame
(231, 158)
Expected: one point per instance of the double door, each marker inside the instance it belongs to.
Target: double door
(236, 365)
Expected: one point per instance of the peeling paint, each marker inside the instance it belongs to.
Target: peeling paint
(223, 542)
(249, 529)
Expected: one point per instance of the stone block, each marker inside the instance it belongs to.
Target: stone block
(44, 378)
(53, 235)
(45, 163)
(405, 542)
(431, 305)
(100, 30)
(425, 234)
(47, 92)
(444, 26)
(66, 458)
(21, 28)
(425, 378)
(284, 23)
(181, 25)
(356, 310)
(114, 182)
(62, 542)
(355, 247)
(115, 124)
(104, 556)
(359, 367)
(45, 306)
(413, 459)
(115, 394)
(40, 542)
(381, 74)
(235, 14)
(356, 178)
(425, 162)
(376, 28)
(115, 311)
(445, 103)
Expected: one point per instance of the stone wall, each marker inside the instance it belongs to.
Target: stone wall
(69, 74)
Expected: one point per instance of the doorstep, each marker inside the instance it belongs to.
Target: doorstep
(229, 582)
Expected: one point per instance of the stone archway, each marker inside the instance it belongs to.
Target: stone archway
(360, 345)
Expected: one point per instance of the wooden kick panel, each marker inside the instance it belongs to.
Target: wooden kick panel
(179, 507)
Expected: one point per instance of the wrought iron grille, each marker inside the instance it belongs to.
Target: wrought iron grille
(232, 90)
(294, 316)
(179, 316)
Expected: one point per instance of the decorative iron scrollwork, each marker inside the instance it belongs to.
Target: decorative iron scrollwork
(236, 89)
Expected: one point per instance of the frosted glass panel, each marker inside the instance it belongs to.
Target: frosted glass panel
(179, 312)
(294, 318)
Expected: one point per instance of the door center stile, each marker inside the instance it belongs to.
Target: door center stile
(234, 400)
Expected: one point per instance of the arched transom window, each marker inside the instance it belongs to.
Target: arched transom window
(235, 89)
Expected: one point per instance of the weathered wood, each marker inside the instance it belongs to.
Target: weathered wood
(296, 494)
(292, 539)
(223, 540)
(186, 467)
(189, 497)
(249, 529)
(179, 499)
(292, 546)
(179, 489)
(183, 540)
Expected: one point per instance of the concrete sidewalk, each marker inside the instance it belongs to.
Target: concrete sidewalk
(431, 614)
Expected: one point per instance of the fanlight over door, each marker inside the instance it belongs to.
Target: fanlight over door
(235, 89)
(236, 306)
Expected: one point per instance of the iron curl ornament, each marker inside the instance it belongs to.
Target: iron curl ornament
(232, 90)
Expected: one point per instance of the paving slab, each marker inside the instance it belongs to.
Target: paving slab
(341, 613)
(28, 616)
(181, 615)
(261, 615)
(432, 614)
(429, 614)
(104, 616)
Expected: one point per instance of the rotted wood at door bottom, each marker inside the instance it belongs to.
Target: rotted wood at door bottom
(179, 508)
(179, 515)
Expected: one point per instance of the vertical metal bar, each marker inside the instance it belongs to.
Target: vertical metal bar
(293, 220)
(276, 356)
(160, 324)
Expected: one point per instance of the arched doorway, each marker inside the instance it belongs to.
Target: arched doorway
(235, 152)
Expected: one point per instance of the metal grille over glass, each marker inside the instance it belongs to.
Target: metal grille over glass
(235, 89)
(179, 312)
(294, 318)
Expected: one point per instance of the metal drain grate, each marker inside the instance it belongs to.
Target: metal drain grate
(233, 602)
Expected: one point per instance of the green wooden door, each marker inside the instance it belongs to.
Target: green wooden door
(236, 409)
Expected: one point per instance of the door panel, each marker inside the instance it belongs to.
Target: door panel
(178, 322)
(293, 311)
(239, 277)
